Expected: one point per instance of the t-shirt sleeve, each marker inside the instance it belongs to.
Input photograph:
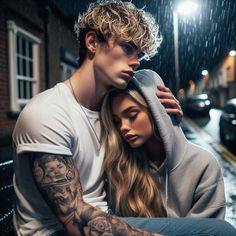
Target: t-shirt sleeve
(46, 129)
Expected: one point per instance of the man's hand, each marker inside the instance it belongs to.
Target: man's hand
(170, 103)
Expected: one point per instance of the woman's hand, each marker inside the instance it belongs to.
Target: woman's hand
(169, 101)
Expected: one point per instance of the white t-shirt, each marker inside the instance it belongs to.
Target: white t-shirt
(53, 122)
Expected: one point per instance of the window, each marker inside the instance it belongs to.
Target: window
(24, 74)
(68, 64)
(66, 70)
(24, 66)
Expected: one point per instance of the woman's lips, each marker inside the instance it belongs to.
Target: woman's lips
(130, 137)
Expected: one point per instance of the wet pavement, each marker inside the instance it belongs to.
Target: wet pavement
(198, 136)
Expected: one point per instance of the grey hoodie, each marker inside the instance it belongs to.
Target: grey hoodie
(190, 179)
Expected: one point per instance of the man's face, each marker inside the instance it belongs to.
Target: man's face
(115, 62)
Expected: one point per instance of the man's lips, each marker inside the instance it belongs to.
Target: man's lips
(127, 74)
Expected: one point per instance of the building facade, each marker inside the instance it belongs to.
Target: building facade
(38, 48)
(220, 83)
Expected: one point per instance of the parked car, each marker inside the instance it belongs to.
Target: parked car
(228, 122)
(197, 105)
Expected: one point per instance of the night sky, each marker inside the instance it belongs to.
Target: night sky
(205, 38)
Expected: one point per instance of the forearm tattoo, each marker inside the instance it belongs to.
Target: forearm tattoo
(58, 180)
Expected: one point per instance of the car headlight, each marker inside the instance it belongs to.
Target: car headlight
(201, 104)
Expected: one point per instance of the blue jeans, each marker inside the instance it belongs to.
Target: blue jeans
(183, 226)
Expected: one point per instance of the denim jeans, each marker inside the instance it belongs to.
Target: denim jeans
(183, 226)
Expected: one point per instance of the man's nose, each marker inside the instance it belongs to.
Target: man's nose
(134, 62)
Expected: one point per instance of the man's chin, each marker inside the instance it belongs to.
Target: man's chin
(121, 85)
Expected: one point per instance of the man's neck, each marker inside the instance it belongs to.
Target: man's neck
(87, 90)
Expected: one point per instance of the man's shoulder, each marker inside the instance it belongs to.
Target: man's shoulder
(46, 100)
(45, 107)
(45, 120)
(48, 95)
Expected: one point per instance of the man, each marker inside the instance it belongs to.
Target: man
(58, 167)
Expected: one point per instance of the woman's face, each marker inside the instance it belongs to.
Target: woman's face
(132, 120)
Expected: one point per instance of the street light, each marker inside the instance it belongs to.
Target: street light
(184, 8)
(187, 7)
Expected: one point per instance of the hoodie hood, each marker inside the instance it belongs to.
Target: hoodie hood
(174, 141)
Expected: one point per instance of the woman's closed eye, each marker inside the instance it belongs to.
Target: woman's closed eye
(132, 115)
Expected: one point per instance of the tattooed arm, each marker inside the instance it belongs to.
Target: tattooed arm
(58, 180)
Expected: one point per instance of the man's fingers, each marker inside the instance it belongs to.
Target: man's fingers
(177, 112)
(170, 102)
(163, 88)
(161, 94)
(174, 111)
(166, 94)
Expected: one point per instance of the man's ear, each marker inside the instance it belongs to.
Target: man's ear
(91, 41)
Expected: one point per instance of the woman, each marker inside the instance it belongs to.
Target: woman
(151, 168)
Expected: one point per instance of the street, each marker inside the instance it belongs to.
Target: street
(204, 131)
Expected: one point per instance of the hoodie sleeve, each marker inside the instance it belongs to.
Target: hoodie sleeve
(209, 197)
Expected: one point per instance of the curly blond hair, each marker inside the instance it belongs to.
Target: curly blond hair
(120, 20)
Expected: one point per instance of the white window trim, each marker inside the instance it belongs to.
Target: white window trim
(13, 29)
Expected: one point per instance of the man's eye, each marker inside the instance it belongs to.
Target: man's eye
(128, 49)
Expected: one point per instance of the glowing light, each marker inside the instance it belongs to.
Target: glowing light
(204, 72)
(232, 53)
(187, 7)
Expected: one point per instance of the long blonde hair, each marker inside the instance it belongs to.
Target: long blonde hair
(134, 188)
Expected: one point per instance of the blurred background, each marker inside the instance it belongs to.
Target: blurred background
(196, 60)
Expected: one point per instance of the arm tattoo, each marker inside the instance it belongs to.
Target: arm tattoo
(58, 180)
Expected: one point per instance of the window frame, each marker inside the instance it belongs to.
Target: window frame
(16, 104)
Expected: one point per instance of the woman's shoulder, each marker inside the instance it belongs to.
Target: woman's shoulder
(201, 157)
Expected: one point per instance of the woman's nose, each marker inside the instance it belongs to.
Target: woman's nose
(124, 127)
